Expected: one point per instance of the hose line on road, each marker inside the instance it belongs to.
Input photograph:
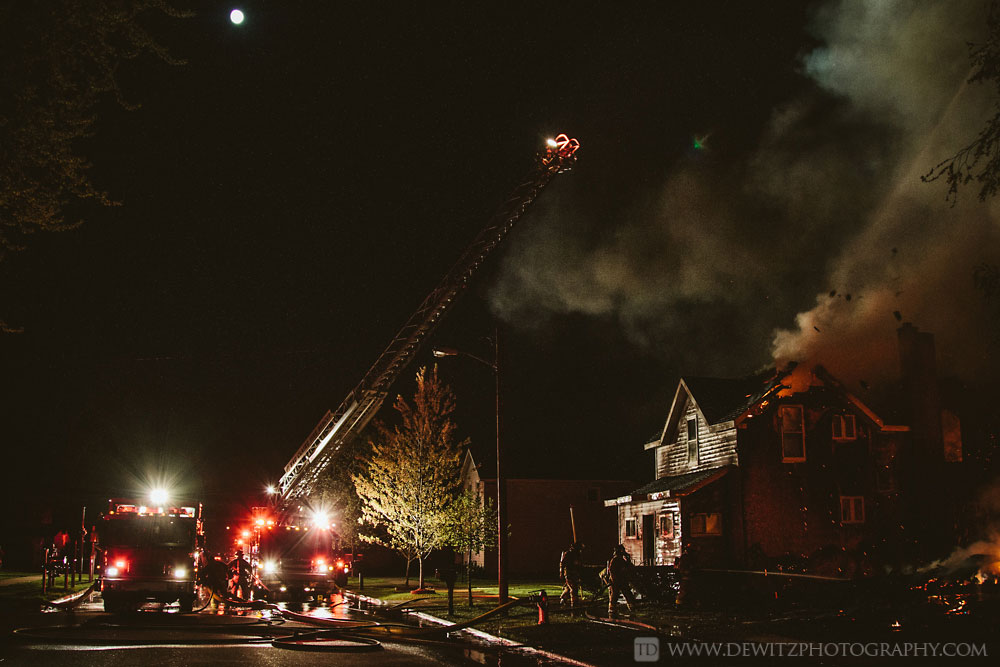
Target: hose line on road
(70, 603)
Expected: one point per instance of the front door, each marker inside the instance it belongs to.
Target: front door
(648, 539)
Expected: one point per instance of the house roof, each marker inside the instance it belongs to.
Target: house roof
(721, 400)
(725, 399)
(672, 486)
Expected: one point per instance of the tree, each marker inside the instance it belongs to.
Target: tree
(334, 492)
(58, 59)
(470, 525)
(980, 160)
(410, 475)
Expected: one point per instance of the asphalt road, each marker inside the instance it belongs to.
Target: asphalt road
(89, 636)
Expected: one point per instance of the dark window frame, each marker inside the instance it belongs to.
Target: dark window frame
(801, 432)
(666, 517)
(841, 434)
(693, 450)
(855, 506)
(700, 524)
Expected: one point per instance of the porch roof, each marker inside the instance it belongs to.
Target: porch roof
(671, 487)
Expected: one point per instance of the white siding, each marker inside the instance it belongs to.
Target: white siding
(665, 549)
(716, 445)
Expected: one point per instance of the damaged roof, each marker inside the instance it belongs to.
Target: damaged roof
(725, 399)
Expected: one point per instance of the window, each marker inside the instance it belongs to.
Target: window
(852, 509)
(844, 427)
(630, 527)
(667, 525)
(793, 435)
(692, 440)
(706, 524)
(885, 478)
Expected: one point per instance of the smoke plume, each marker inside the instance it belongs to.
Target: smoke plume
(813, 245)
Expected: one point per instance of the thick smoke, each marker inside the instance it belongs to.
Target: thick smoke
(827, 217)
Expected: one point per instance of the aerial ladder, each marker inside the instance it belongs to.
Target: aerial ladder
(357, 409)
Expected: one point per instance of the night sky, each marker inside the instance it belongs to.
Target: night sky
(292, 192)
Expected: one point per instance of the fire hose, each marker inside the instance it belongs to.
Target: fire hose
(328, 635)
(70, 603)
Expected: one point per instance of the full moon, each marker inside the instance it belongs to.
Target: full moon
(236, 16)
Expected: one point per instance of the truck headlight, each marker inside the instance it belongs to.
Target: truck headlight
(270, 567)
(111, 571)
(180, 572)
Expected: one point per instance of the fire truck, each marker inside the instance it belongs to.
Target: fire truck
(151, 552)
(296, 555)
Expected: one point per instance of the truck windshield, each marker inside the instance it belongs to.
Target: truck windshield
(148, 531)
(296, 544)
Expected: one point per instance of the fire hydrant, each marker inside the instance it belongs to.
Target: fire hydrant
(543, 608)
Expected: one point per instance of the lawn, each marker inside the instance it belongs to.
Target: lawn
(30, 593)
(520, 624)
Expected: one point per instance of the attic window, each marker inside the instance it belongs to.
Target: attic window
(793, 434)
(692, 439)
(844, 427)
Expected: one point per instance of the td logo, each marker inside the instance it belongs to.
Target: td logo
(646, 649)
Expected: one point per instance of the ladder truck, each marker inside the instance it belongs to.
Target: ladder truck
(357, 409)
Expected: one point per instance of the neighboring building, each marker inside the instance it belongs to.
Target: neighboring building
(789, 465)
(542, 514)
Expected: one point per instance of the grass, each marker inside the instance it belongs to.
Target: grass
(30, 593)
(385, 588)
(520, 624)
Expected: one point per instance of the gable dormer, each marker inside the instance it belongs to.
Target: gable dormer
(695, 438)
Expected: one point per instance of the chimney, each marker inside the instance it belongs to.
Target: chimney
(920, 391)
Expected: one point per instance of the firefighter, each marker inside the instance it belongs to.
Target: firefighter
(619, 574)
(214, 575)
(571, 571)
(239, 570)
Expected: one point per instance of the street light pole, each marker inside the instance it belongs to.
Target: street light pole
(502, 542)
(502, 547)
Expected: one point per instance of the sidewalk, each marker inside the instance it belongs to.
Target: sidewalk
(566, 639)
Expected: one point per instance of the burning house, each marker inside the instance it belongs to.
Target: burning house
(790, 465)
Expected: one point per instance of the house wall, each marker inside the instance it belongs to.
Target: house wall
(793, 509)
(666, 549)
(540, 527)
(716, 445)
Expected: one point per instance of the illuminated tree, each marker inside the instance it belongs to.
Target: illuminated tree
(980, 160)
(470, 525)
(334, 491)
(411, 473)
(58, 59)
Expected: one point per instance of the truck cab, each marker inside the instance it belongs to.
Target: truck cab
(296, 557)
(149, 554)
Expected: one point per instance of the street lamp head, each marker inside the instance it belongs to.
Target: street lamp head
(271, 490)
(441, 352)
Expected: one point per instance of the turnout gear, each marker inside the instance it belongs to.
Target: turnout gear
(239, 583)
(620, 575)
(571, 572)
